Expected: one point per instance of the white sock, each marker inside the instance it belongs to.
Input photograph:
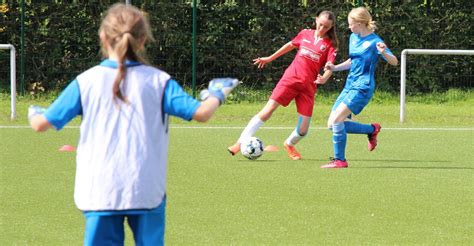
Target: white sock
(294, 138)
(251, 128)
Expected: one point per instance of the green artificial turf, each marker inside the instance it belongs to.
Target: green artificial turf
(416, 188)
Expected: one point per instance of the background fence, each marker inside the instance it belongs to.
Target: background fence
(57, 40)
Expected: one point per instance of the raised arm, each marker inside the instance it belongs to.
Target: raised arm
(262, 61)
(391, 59)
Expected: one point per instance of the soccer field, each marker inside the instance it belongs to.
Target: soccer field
(415, 188)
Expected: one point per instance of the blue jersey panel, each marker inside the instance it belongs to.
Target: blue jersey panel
(177, 102)
(364, 57)
(65, 107)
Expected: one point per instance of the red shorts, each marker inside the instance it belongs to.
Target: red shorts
(304, 99)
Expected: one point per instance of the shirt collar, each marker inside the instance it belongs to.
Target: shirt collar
(113, 64)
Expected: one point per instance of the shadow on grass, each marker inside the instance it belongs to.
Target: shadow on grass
(403, 163)
(404, 166)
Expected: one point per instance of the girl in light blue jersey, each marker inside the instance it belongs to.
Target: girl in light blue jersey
(123, 146)
(365, 48)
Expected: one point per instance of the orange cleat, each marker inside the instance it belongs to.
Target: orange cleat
(292, 152)
(234, 149)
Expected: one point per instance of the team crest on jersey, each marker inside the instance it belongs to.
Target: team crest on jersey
(322, 47)
(365, 44)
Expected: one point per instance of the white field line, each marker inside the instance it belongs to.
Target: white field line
(287, 128)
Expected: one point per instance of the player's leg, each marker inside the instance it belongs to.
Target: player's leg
(104, 229)
(304, 106)
(281, 95)
(356, 104)
(254, 124)
(336, 119)
(354, 127)
(298, 133)
(149, 228)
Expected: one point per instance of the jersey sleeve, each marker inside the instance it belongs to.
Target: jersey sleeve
(296, 41)
(177, 102)
(65, 107)
(331, 55)
(386, 49)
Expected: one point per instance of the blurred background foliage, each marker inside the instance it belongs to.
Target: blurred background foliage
(61, 40)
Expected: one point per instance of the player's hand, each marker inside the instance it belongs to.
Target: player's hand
(219, 88)
(329, 66)
(261, 61)
(320, 80)
(35, 110)
(381, 47)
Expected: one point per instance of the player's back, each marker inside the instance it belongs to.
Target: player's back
(123, 146)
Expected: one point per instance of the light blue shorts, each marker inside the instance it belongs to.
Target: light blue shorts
(354, 99)
(107, 227)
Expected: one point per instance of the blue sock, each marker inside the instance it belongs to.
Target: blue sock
(358, 128)
(339, 139)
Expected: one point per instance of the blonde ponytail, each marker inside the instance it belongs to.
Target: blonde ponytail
(362, 15)
(126, 30)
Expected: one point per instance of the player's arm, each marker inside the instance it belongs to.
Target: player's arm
(178, 103)
(261, 61)
(389, 57)
(339, 67)
(64, 109)
(37, 120)
(331, 57)
(322, 79)
(207, 108)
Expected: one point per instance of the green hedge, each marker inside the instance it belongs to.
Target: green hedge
(61, 39)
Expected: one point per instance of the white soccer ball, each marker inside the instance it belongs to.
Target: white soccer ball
(252, 148)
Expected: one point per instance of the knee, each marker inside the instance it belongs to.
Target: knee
(337, 127)
(264, 116)
(330, 124)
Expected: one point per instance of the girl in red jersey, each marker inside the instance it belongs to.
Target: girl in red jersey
(299, 82)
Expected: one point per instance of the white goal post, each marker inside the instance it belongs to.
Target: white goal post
(403, 72)
(12, 76)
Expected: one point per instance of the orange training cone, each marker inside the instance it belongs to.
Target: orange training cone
(67, 148)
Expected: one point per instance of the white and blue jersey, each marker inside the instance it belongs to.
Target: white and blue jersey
(123, 148)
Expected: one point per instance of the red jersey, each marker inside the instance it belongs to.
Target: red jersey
(312, 55)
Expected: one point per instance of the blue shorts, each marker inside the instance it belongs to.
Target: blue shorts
(107, 227)
(354, 99)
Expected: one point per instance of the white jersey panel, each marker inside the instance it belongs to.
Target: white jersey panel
(122, 151)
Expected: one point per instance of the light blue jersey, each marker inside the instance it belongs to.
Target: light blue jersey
(364, 56)
(360, 83)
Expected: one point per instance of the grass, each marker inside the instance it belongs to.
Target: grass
(415, 188)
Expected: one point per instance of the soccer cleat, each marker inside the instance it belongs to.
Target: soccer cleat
(234, 149)
(334, 163)
(292, 152)
(373, 137)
